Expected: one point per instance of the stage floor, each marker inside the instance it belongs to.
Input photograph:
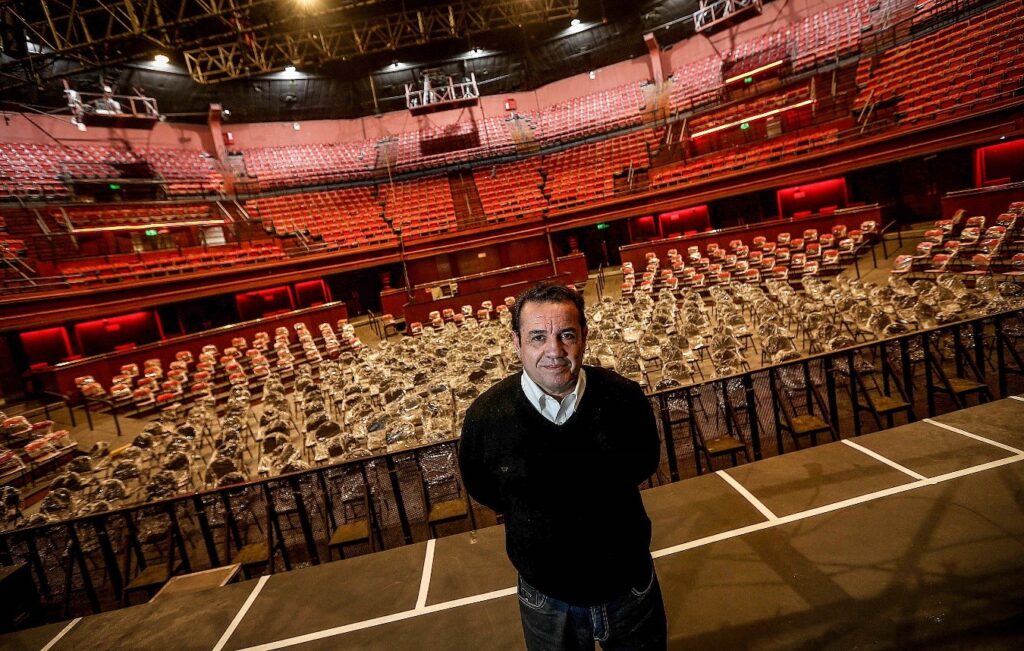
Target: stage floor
(909, 537)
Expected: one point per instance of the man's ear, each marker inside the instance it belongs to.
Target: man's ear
(516, 341)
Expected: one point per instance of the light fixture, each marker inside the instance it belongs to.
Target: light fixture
(162, 59)
(289, 69)
(575, 22)
(593, 74)
(476, 50)
(296, 126)
(394, 64)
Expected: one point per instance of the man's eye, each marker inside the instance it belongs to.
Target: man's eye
(569, 336)
(537, 338)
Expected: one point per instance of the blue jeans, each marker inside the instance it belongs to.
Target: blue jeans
(634, 621)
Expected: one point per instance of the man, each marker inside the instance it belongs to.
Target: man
(559, 450)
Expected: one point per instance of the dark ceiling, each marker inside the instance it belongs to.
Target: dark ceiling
(518, 58)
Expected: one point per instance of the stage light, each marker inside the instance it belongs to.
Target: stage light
(162, 59)
(575, 22)
(289, 69)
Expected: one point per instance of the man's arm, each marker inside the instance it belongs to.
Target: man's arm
(477, 475)
(647, 447)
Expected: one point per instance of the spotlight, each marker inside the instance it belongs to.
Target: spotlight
(226, 113)
(476, 50)
(161, 59)
(394, 64)
(575, 22)
(289, 69)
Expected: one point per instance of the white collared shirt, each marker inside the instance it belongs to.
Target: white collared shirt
(555, 410)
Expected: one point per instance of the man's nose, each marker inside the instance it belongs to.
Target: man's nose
(554, 347)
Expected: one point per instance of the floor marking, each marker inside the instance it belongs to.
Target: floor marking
(386, 619)
(428, 566)
(758, 504)
(1008, 448)
(62, 633)
(885, 460)
(241, 613)
(668, 551)
(1021, 398)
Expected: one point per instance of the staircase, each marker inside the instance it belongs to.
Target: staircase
(522, 132)
(469, 212)
(387, 156)
(638, 182)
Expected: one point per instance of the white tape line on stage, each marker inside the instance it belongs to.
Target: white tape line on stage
(428, 566)
(1019, 398)
(241, 613)
(63, 632)
(386, 619)
(747, 495)
(1008, 448)
(885, 460)
(668, 551)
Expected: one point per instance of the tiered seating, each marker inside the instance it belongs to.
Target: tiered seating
(696, 83)
(763, 153)
(185, 171)
(951, 70)
(463, 141)
(294, 165)
(30, 169)
(586, 172)
(420, 207)
(830, 34)
(591, 114)
(34, 169)
(133, 267)
(511, 191)
(834, 31)
(757, 106)
(349, 217)
(98, 218)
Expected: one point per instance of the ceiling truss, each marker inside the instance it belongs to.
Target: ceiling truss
(229, 39)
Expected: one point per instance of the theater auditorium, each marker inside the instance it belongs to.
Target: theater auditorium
(259, 257)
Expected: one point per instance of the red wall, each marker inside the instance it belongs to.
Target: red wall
(54, 130)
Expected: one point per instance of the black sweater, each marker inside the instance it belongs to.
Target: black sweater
(575, 526)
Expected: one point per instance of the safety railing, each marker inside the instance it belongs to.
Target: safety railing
(91, 563)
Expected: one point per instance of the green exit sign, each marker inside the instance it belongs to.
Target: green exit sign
(745, 126)
(152, 232)
(748, 80)
(603, 226)
(115, 186)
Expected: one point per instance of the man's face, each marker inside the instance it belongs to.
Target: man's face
(550, 345)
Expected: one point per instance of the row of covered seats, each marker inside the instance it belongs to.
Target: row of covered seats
(750, 261)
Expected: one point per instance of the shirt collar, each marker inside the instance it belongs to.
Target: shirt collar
(555, 410)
